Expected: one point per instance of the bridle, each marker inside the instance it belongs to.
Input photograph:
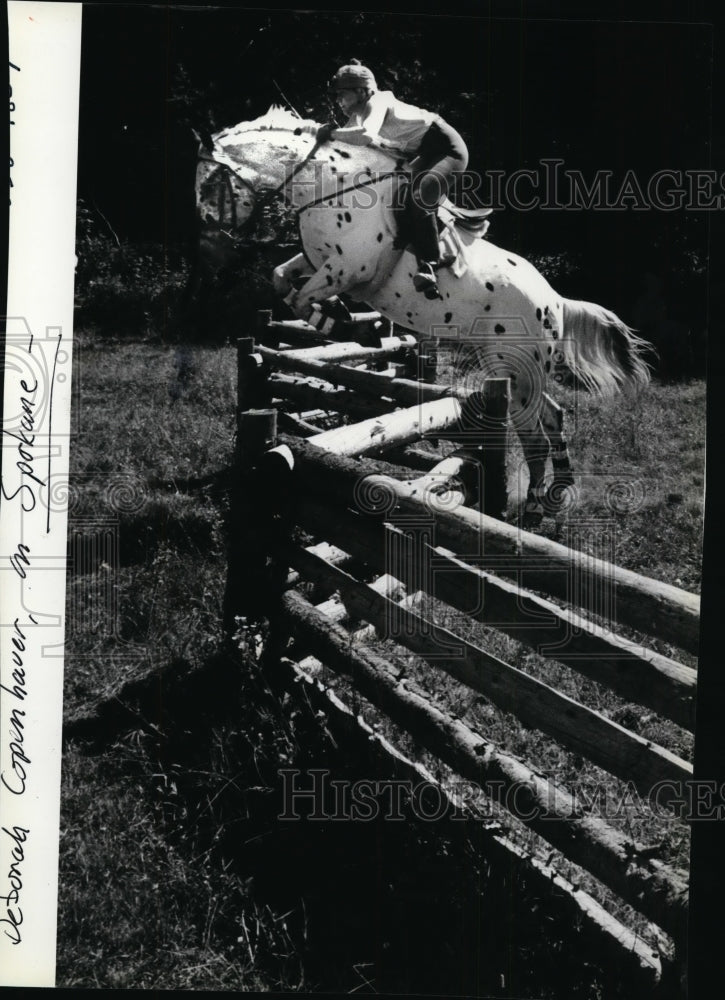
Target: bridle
(264, 196)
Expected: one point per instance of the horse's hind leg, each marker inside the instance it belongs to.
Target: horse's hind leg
(552, 419)
(535, 444)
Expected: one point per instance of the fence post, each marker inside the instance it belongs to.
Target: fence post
(496, 398)
(422, 361)
(485, 434)
(249, 522)
(252, 391)
(257, 434)
(266, 335)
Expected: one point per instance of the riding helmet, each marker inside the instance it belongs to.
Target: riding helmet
(353, 76)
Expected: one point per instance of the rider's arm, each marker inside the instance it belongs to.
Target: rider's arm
(371, 120)
(356, 135)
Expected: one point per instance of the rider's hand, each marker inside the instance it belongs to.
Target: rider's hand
(324, 132)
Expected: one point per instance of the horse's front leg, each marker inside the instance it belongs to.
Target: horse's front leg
(323, 284)
(285, 276)
(351, 267)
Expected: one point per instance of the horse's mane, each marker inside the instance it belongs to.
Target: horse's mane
(277, 119)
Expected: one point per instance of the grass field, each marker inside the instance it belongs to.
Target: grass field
(175, 872)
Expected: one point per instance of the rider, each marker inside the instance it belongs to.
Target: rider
(434, 150)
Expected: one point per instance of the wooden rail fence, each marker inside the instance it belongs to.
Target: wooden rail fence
(432, 528)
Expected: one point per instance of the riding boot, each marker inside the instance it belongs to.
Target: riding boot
(425, 280)
(425, 244)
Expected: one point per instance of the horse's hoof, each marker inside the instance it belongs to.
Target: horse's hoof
(561, 497)
(532, 516)
(335, 308)
(562, 476)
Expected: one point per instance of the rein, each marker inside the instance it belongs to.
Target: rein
(297, 169)
(266, 195)
(317, 201)
(353, 187)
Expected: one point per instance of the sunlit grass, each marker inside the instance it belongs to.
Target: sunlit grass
(157, 412)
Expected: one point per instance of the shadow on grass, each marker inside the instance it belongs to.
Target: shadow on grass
(392, 905)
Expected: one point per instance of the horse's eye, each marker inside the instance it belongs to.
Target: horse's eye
(297, 131)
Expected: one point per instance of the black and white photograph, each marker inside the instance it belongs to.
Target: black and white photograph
(382, 518)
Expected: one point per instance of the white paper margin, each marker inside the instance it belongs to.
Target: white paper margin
(44, 49)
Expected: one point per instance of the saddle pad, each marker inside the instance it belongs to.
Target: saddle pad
(451, 246)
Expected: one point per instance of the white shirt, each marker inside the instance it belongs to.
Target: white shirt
(388, 123)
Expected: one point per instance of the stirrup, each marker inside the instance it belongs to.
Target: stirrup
(427, 285)
(445, 261)
(425, 281)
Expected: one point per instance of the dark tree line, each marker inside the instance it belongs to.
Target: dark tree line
(597, 95)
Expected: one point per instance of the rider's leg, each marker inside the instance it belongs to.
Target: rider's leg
(430, 186)
(423, 228)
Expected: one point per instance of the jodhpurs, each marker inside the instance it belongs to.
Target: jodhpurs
(442, 155)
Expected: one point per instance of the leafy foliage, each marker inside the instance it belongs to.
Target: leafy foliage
(120, 287)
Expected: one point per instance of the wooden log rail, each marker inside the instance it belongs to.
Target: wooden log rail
(296, 332)
(339, 611)
(380, 494)
(406, 392)
(374, 436)
(649, 886)
(331, 554)
(611, 940)
(536, 704)
(293, 423)
(647, 605)
(633, 672)
(349, 352)
(363, 327)
(312, 393)
(478, 416)
(481, 416)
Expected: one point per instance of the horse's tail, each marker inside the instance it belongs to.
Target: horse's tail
(602, 351)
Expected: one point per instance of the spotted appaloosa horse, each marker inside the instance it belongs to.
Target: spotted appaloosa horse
(493, 303)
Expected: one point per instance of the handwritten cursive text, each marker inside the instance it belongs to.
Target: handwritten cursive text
(13, 913)
(12, 110)
(15, 780)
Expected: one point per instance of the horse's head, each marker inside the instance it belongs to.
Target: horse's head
(257, 160)
(248, 163)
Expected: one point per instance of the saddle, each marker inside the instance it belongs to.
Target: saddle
(457, 227)
(471, 220)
